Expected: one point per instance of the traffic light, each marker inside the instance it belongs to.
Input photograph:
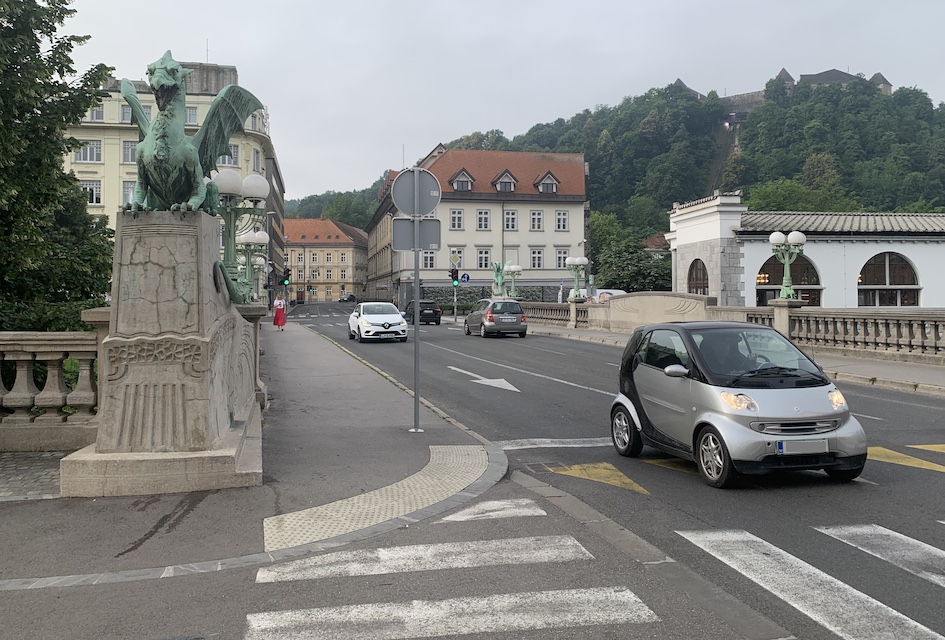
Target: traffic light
(286, 277)
(454, 275)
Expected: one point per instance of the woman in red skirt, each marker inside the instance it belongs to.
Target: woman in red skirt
(278, 320)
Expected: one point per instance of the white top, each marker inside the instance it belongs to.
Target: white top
(279, 304)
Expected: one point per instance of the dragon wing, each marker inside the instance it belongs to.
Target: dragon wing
(226, 116)
(138, 113)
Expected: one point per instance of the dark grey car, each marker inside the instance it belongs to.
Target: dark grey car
(496, 316)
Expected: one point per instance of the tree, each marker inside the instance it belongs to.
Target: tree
(626, 265)
(38, 201)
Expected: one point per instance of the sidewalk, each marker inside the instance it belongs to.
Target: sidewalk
(340, 464)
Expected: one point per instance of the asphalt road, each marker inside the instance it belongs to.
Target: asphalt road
(511, 389)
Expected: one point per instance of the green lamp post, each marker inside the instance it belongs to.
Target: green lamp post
(576, 265)
(240, 200)
(786, 249)
(512, 271)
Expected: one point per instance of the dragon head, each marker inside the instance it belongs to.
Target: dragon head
(166, 77)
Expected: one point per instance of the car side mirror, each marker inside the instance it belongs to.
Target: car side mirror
(676, 371)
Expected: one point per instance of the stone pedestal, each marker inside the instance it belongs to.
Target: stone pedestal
(782, 314)
(179, 405)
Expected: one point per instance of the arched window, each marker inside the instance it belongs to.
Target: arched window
(804, 279)
(698, 279)
(887, 280)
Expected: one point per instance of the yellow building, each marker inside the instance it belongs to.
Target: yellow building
(106, 167)
(327, 260)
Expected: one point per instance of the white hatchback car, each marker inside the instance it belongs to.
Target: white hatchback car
(376, 321)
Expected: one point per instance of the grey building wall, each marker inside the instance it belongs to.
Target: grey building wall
(722, 259)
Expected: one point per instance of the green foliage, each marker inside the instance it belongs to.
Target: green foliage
(51, 251)
(625, 264)
(790, 195)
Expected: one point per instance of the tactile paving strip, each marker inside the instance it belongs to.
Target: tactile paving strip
(450, 470)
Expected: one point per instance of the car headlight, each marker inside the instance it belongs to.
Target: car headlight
(365, 323)
(739, 401)
(837, 400)
(403, 323)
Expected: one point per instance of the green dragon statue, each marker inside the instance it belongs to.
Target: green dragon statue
(172, 165)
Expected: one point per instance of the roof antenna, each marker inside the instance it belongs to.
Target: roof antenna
(208, 50)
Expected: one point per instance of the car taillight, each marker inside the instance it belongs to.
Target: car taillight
(437, 310)
(489, 316)
(523, 317)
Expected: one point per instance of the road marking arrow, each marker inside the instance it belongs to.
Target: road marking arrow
(498, 383)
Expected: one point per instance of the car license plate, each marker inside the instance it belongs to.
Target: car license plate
(788, 447)
(506, 319)
(427, 311)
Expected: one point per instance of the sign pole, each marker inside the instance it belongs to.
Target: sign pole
(416, 300)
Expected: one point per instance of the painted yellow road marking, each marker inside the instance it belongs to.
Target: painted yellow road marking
(882, 454)
(600, 472)
(940, 448)
(674, 464)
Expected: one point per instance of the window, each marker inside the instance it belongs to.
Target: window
(301, 275)
(327, 256)
(314, 274)
(344, 257)
(191, 115)
(561, 255)
(301, 260)
(698, 279)
(484, 258)
(257, 161)
(126, 113)
(90, 152)
(327, 293)
(561, 220)
(127, 191)
(805, 280)
(504, 186)
(462, 185)
(482, 220)
(536, 217)
(456, 218)
(511, 220)
(549, 187)
(97, 114)
(232, 160)
(327, 274)
(887, 280)
(428, 262)
(252, 122)
(538, 258)
(93, 189)
(343, 274)
(664, 348)
(128, 148)
(458, 264)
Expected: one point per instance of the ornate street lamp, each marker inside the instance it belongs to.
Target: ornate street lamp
(576, 266)
(239, 207)
(512, 271)
(786, 250)
(251, 247)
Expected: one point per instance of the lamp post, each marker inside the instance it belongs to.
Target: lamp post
(251, 247)
(576, 265)
(512, 271)
(786, 249)
(239, 207)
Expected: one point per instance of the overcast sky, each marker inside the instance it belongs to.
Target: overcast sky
(355, 87)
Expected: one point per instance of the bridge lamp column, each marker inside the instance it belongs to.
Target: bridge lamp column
(239, 207)
(786, 249)
(576, 265)
(512, 271)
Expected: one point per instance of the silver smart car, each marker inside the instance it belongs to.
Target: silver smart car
(737, 398)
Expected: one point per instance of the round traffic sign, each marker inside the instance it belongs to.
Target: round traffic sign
(414, 200)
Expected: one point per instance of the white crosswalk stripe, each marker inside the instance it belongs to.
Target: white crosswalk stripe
(455, 616)
(835, 605)
(914, 556)
(429, 557)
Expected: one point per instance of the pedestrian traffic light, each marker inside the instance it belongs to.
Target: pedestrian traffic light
(454, 276)
(286, 277)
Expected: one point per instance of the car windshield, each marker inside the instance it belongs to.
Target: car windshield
(752, 353)
(506, 307)
(380, 309)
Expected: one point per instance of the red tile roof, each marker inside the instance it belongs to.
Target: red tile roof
(528, 168)
(321, 231)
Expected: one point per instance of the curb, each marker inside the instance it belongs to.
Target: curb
(894, 385)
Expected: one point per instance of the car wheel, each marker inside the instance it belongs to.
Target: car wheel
(350, 334)
(360, 337)
(482, 330)
(844, 475)
(624, 433)
(402, 339)
(521, 334)
(713, 459)
(437, 323)
(466, 328)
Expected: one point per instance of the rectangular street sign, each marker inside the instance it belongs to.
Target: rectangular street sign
(403, 235)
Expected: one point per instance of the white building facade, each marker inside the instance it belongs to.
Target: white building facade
(849, 260)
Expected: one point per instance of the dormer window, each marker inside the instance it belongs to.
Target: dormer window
(462, 185)
(462, 181)
(504, 185)
(548, 184)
